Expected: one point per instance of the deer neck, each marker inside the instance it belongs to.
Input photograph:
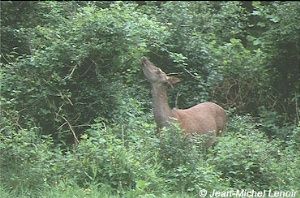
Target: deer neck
(161, 109)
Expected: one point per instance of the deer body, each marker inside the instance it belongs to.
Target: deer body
(204, 118)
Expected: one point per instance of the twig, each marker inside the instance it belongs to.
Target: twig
(71, 128)
(6, 59)
(61, 126)
(82, 125)
(297, 109)
(170, 74)
(87, 70)
(191, 74)
(70, 75)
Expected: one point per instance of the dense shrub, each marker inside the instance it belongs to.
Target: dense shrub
(26, 161)
(132, 161)
(248, 159)
(106, 156)
(246, 79)
(75, 111)
(77, 66)
(184, 163)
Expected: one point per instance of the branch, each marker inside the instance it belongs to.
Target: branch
(191, 74)
(170, 74)
(297, 109)
(70, 75)
(71, 128)
(176, 100)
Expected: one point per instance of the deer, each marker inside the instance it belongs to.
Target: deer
(205, 118)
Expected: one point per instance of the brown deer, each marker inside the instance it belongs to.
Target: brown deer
(204, 118)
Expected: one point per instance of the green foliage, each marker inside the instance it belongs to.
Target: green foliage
(75, 111)
(246, 79)
(66, 190)
(184, 164)
(177, 150)
(78, 49)
(249, 160)
(132, 161)
(23, 160)
(271, 124)
(104, 162)
(276, 30)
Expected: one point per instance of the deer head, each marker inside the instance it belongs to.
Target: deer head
(155, 75)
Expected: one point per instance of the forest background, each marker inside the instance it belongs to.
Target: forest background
(76, 117)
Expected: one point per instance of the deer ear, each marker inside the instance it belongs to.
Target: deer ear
(173, 80)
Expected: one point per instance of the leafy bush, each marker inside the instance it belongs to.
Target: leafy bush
(103, 156)
(107, 156)
(273, 124)
(99, 48)
(246, 78)
(249, 160)
(184, 164)
(289, 165)
(64, 64)
(26, 160)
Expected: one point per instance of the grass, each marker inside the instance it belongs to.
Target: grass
(61, 191)
(71, 191)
